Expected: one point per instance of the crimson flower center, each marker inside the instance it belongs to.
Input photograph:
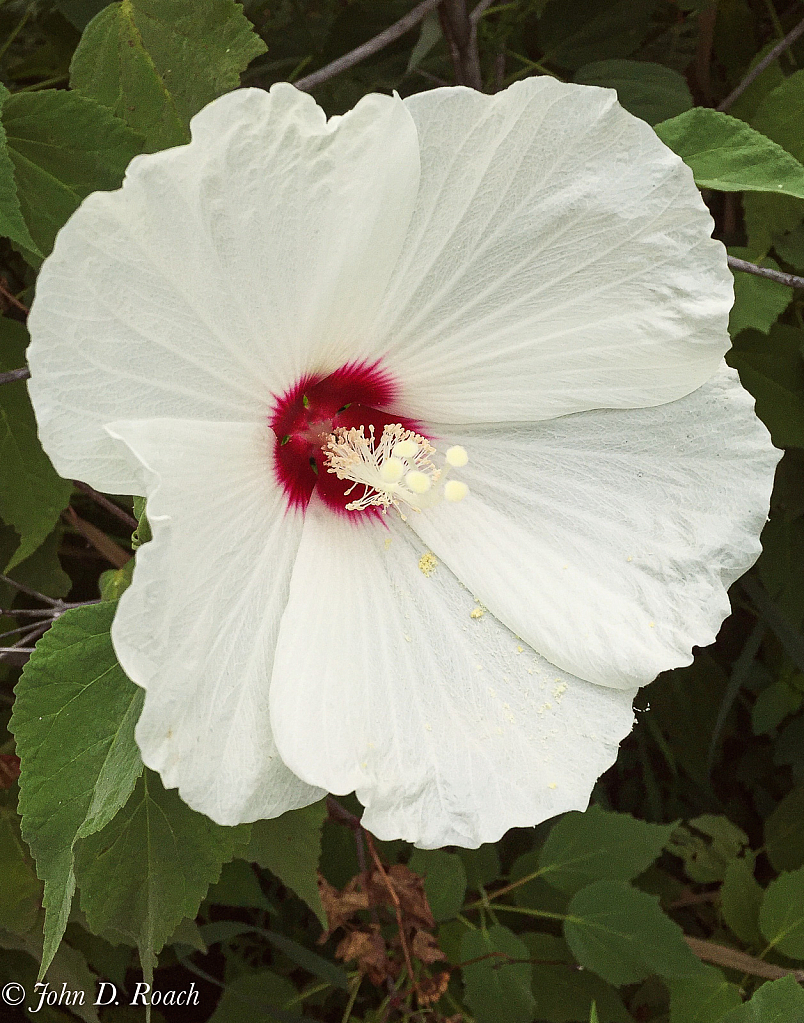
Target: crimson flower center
(306, 415)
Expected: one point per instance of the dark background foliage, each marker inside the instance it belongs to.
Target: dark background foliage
(680, 895)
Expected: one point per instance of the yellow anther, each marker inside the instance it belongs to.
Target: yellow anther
(418, 482)
(405, 449)
(456, 456)
(455, 490)
(392, 470)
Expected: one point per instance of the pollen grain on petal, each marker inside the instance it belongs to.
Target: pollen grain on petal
(428, 563)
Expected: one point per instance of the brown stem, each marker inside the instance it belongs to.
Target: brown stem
(397, 910)
(15, 374)
(733, 959)
(461, 33)
(104, 502)
(103, 544)
(791, 280)
(767, 60)
(12, 298)
(360, 53)
(703, 53)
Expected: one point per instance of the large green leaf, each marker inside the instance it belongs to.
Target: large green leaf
(779, 115)
(498, 983)
(596, 845)
(32, 494)
(705, 998)
(784, 832)
(623, 935)
(740, 899)
(73, 720)
(725, 154)
(63, 146)
(257, 996)
(12, 224)
(444, 880)
(572, 35)
(21, 890)
(650, 91)
(150, 867)
(290, 847)
(778, 1001)
(772, 369)
(155, 63)
(781, 915)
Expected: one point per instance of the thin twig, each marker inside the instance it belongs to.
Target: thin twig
(733, 959)
(12, 298)
(31, 593)
(768, 59)
(461, 34)
(791, 280)
(15, 374)
(479, 10)
(103, 544)
(104, 502)
(368, 49)
(397, 910)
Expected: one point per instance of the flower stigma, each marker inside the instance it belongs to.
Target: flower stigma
(396, 469)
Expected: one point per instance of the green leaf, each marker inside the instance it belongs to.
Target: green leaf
(80, 12)
(142, 534)
(776, 702)
(12, 224)
(623, 935)
(779, 115)
(572, 35)
(758, 302)
(32, 494)
(747, 103)
(778, 1001)
(115, 581)
(73, 720)
(290, 847)
(772, 369)
(781, 915)
(444, 880)
(650, 91)
(238, 886)
(740, 899)
(498, 990)
(429, 36)
(565, 994)
(482, 865)
(155, 63)
(21, 890)
(150, 867)
(597, 844)
(706, 998)
(707, 845)
(256, 996)
(784, 832)
(226, 930)
(63, 146)
(725, 154)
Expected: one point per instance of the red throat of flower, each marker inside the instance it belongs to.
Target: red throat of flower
(305, 416)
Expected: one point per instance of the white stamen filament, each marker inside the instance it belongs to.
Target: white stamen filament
(396, 469)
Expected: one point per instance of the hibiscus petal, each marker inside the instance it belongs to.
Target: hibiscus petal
(198, 626)
(607, 539)
(448, 729)
(220, 272)
(558, 260)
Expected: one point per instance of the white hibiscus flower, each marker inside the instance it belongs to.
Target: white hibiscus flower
(527, 279)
